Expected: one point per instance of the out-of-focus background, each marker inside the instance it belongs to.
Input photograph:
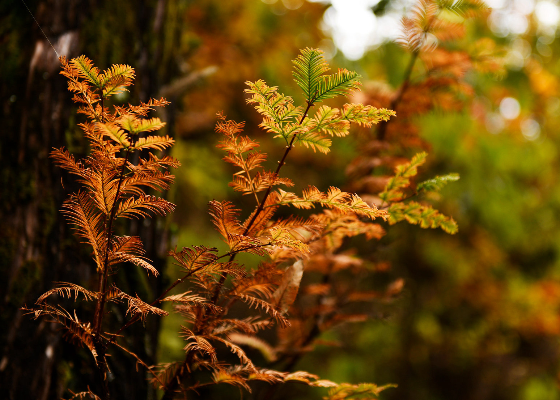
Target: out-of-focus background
(479, 315)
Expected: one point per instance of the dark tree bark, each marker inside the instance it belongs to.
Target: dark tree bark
(37, 247)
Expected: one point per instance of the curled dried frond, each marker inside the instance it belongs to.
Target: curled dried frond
(68, 290)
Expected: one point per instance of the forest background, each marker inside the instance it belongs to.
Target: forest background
(478, 317)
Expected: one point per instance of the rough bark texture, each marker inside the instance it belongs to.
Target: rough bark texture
(37, 247)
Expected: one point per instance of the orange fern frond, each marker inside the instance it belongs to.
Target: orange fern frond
(69, 290)
(142, 206)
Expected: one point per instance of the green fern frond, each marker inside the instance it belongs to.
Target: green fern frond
(365, 115)
(423, 215)
(393, 189)
(437, 183)
(115, 133)
(87, 70)
(309, 67)
(463, 8)
(315, 141)
(116, 79)
(343, 83)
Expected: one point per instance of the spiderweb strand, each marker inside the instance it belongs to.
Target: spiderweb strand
(44, 34)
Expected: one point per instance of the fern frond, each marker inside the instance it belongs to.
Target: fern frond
(360, 391)
(222, 376)
(137, 306)
(115, 133)
(334, 198)
(309, 66)
(343, 83)
(165, 372)
(115, 79)
(198, 343)
(268, 308)
(464, 8)
(135, 125)
(135, 184)
(194, 258)
(423, 215)
(224, 216)
(76, 329)
(154, 142)
(393, 189)
(87, 70)
(186, 298)
(87, 222)
(142, 206)
(235, 349)
(130, 249)
(365, 115)
(315, 141)
(437, 183)
(69, 290)
(84, 395)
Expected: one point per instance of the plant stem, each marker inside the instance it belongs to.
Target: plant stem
(261, 205)
(382, 127)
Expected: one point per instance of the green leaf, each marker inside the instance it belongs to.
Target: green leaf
(423, 215)
(437, 183)
(344, 82)
(87, 70)
(315, 141)
(309, 66)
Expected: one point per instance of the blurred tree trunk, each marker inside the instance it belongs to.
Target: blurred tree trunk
(36, 244)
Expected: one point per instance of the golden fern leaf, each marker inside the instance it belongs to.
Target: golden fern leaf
(63, 159)
(222, 376)
(230, 129)
(261, 220)
(365, 115)
(157, 180)
(165, 372)
(114, 132)
(144, 108)
(314, 141)
(278, 236)
(186, 298)
(84, 395)
(86, 70)
(334, 198)
(235, 349)
(197, 257)
(137, 306)
(263, 180)
(115, 79)
(87, 222)
(154, 143)
(268, 308)
(224, 216)
(423, 215)
(69, 290)
(198, 344)
(76, 329)
(142, 206)
(130, 249)
(226, 327)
